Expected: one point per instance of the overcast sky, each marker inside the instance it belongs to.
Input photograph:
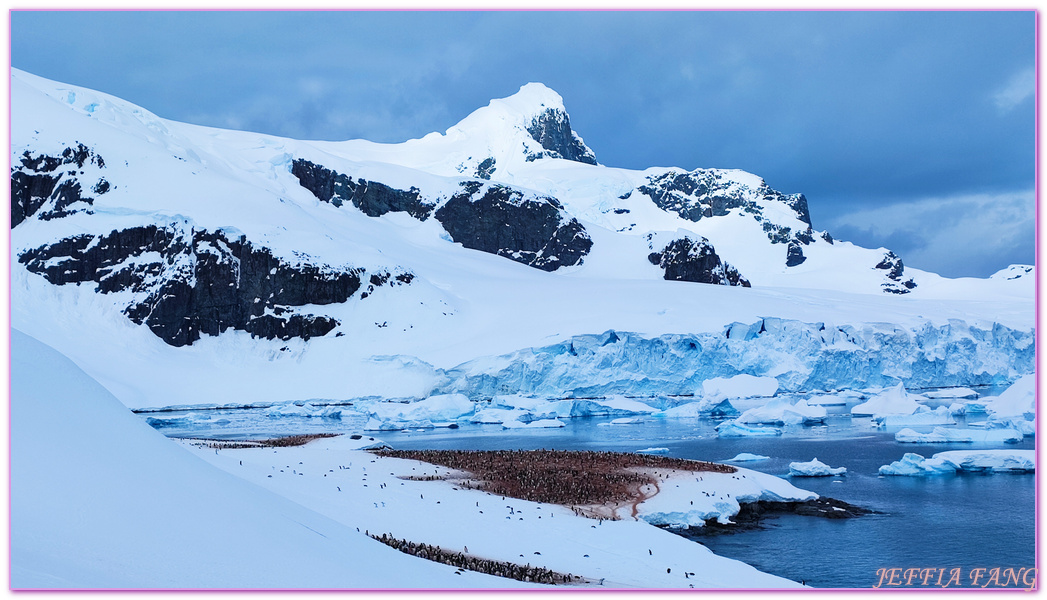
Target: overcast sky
(909, 130)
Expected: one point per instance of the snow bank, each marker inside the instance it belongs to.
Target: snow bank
(814, 468)
(688, 499)
(959, 435)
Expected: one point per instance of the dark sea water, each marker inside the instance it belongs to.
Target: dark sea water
(949, 522)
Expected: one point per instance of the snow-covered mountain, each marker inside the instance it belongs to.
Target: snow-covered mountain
(180, 264)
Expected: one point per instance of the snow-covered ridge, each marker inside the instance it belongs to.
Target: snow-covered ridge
(135, 230)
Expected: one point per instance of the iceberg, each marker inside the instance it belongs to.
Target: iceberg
(994, 461)
(739, 386)
(701, 408)
(444, 407)
(960, 435)
(299, 409)
(915, 465)
(1019, 400)
(893, 401)
(782, 412)
(733, 429)
(814, 468)
(653, 451)
(922, 417)
(955, 392)
(966, 461)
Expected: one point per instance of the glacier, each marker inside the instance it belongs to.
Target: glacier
(801, 357)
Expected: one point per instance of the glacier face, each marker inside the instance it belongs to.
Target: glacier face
(800, 356)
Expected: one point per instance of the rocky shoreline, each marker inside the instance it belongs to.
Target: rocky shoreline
(753, 515)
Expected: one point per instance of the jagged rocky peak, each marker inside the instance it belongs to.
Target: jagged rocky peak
(895, 284)
(539, 113)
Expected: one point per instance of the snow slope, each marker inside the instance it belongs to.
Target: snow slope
(101, 500)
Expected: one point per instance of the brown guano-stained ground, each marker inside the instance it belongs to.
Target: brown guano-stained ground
(601, 481)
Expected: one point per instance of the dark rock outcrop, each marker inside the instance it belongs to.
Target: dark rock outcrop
(685, 259)
(498, 219)
(39, 187)
(794, 255)
(373, 198)
(704, 193)
(485, 169)
(532, 230)
(895, 283)
(187, 282)
(552, 129)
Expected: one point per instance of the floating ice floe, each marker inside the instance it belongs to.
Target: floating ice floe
(627, 421)
(539, 424)
(748, 457)
(782, 412)
(956, 392)
(954, 461)
(732, 429)
(961, 435)
(922, 417)
(893, 401)
(653, 451)
(814, 468)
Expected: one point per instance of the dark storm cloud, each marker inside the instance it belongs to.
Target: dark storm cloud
(858, 110)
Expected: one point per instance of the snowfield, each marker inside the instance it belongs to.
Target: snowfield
(101, 500)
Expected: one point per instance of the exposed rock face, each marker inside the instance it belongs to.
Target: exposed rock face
(552, 129)
(892, 263)
(685, 259)
(373, 198)
(794, 255)
(703, 193)
(485, 169)
(41, 186)
(532, 230)
(184, 282)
